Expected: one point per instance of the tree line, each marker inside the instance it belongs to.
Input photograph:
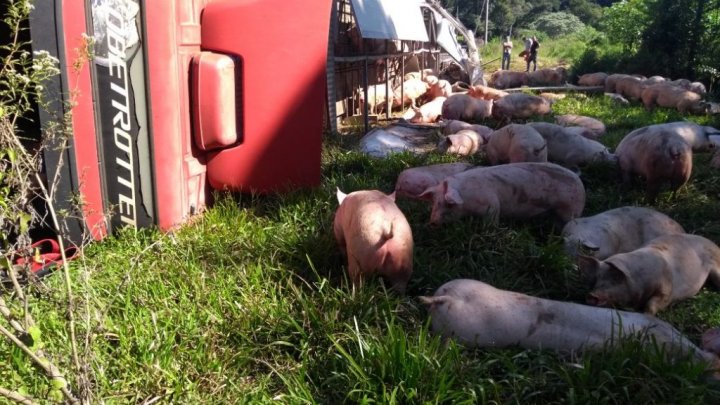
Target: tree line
(665, 37)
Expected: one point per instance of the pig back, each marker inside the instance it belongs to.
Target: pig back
(516, 143)
(618, 230)
(523, 190)
(413, 181)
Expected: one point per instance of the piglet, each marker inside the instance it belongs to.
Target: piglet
(667, 269)
(374, 235)
(479, 315)
(464, 143)
(515, 190)
(618, 230)
(414, 181)
(516, 143)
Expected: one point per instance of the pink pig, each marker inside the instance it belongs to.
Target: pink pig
(514, 190)
(375, 236)
(426, 113)
(413, 181)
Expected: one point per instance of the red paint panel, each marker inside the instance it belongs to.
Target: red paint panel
(83, 120)
(282, 50)
(172, 39)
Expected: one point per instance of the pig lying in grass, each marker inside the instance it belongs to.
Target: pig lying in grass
(464, 143)
(658, 156)
(374, 235)
(486, 93)
(479, 315)
(520, 106)
(697, 136)
(515, 190)
(547, 77)
(669, 96)
(455, 126)
(595, 127)
(618, 230)
(667, 269)
(516, 143)
(465, 108)
(414, 181)
(570, 149)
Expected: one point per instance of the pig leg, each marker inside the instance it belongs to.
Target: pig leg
(657, 302)
(652, 190)
(714, 277)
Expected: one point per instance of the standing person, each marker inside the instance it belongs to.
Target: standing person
(507, 49)
(533, 54)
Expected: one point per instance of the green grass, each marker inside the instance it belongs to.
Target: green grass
(251, 303)
(553, 52)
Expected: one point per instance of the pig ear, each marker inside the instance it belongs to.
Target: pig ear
(617, 270)
(428, 194)
(451, 195)
(590, 246)
(340, 196)
(392, 196)
(588, 267)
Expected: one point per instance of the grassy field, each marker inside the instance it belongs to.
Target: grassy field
(553, 52)
(250, 303)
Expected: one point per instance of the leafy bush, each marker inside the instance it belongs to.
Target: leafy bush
(558, 24)
(626, 21)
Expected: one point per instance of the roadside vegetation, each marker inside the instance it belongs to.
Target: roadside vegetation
(251, 303)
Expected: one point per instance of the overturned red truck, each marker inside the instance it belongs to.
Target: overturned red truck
(178, 98)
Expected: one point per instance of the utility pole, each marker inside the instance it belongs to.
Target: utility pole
(487, 10)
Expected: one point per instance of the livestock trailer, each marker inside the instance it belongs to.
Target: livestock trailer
(172, 99)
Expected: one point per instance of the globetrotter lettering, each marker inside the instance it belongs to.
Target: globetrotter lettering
(116, 29)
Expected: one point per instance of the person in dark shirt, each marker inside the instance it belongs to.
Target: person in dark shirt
(533, 54)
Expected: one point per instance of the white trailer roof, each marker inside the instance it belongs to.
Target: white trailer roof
(390, 19)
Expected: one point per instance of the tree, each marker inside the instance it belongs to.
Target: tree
(625, 23)
(558, 24)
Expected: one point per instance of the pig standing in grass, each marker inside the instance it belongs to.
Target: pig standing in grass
(412, 182)
(411, 90)
(465, 108)
(611, 82)
(516, 143)
(427, 113)
(375, 237)
(570, 149)
(479, 315)
(667, 269)
(616, 231)
(592, 79)
(516, 190)
(520, 105)
(658, 156)
(506, 79)
(464, 143)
